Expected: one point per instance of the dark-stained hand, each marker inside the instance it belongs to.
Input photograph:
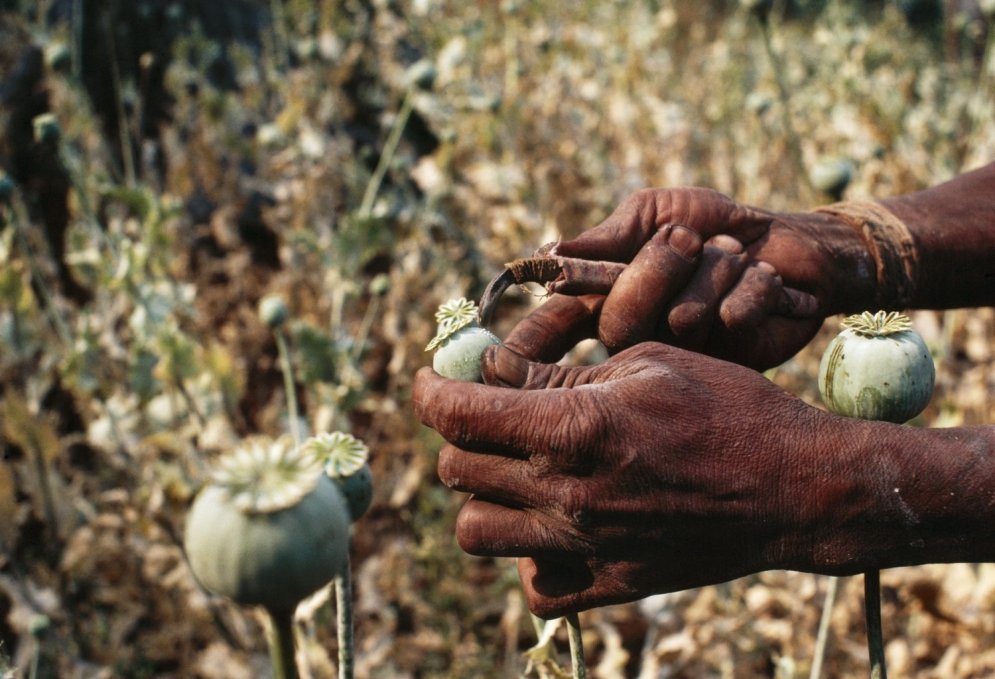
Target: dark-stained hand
(705, 273)
(657, 470)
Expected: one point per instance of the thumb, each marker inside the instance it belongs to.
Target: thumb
(503, 367)
(555, 327)
(619, 237)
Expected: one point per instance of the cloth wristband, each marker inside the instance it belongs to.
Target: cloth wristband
(892, 246)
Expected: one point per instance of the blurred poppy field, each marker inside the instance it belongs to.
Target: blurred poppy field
(168, 163)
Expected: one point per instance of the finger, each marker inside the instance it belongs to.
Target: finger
(555, 327)
(502, 367)
(726, 244)
(518, 423)
(756, 294)
(693, 311)
(556, 585)
(798, 304)
(487, 529)
(619, 237)
(504, 480)
(778, 337)
(761, 293)
(635, 305)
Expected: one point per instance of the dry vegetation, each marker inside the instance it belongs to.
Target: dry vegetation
(541, 117)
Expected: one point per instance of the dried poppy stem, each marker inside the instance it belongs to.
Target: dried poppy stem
(566, 275)
(578, 668)
(823, 635)
(875, 637)
(281, 644)
(343, 608)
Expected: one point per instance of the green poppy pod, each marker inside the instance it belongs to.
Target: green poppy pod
(345, 461)
(460, 343)
(877, 368)
(270, 530)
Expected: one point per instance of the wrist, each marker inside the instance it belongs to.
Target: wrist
(893, 495)
(952, 226)
(835, 266)
(892, 249)
(946, 492)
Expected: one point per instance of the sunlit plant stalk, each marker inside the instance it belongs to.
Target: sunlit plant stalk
(344, 621)
(123, 128)
(288, 384)
(280, 39)
(875, 633)
(420, 75)
(577, 665)
(345, 460)
(281, 644)
(37, 626)
(389, 149)
(77, 9)
(379, 286)
(822, 637)
(274, 313)
(543, 656)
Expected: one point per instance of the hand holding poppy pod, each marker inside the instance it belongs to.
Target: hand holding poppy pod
(607, 501)
(661, 469)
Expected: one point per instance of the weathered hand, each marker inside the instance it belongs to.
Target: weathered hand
(732, 281)
(657, 470)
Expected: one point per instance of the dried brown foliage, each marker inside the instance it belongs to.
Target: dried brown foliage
(541, 118)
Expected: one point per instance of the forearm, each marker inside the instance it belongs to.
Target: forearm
(953, 226)
(905, 496)
(933, 249)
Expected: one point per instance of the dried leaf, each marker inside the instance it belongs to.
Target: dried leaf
(33, 434)
(8, 509)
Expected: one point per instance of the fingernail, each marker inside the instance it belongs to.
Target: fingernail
(684, 241)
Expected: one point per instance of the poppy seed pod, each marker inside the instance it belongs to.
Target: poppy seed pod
(460, 343)
(273, 311)
(345, 459)
(270, 529)
(877, 368)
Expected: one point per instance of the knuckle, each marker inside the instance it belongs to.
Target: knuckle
(642, 196)
(574, 433)
(574, 504)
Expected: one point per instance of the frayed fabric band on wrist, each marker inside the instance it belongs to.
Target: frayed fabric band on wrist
(890, 243)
